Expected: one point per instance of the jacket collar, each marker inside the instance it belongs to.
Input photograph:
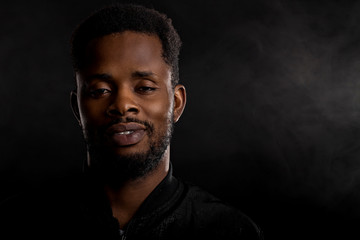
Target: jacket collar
(96, 205)
(162, 194)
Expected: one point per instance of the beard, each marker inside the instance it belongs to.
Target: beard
(116, 169)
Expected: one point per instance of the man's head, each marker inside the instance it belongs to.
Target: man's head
(128, 17)
(127, 96)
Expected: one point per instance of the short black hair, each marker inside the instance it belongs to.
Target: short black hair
(128, 17)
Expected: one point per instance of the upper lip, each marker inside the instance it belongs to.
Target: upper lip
(122, 127)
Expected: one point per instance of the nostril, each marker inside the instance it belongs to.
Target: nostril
(114, 112)
(133, 109)
(118, 112)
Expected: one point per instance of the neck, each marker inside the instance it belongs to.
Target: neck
(126, 199)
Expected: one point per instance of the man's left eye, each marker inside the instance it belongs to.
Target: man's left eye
(146, 89)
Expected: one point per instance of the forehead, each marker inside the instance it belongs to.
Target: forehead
(120, 55)
(125, 49)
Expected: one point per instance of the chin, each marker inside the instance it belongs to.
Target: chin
(121, 166)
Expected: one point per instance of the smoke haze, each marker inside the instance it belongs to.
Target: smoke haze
(272, 120)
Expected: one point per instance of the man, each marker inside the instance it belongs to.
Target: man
(126, 101)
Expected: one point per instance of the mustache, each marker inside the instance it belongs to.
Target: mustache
(149, 126)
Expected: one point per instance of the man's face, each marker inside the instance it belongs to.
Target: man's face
(126, 104)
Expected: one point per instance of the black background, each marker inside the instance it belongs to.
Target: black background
(272, 120)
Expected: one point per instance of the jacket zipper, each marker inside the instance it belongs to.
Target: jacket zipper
(124, 236)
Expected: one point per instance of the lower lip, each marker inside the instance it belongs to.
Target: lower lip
(127, 139)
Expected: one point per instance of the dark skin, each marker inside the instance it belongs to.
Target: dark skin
(126, 76)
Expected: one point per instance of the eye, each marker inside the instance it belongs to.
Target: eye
(100, 92)
(145, 89)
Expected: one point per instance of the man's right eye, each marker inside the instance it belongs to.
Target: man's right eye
(100, 92)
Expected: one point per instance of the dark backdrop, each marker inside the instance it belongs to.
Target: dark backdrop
(272, 120)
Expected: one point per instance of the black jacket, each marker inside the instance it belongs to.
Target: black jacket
(79, 210)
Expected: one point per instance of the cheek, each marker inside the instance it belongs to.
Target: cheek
(90, 112)
(159, 111)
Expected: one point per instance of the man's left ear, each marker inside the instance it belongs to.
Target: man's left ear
(179, 101)
(74, 106)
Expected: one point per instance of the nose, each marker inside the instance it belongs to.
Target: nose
(122, 104)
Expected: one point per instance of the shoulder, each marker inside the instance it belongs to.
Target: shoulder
(217, 217)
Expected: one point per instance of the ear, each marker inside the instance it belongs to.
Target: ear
(179, 101)
(74, 105)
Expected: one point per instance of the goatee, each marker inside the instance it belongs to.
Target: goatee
(116, 169)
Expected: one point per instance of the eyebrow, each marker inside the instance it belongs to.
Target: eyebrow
(141, 74)
(108, 77)
(102, 76)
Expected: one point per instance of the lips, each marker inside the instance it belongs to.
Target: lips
(126, 134)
